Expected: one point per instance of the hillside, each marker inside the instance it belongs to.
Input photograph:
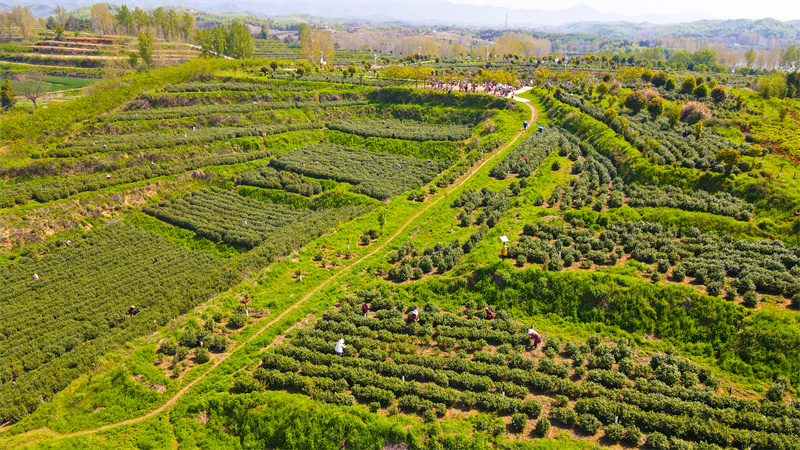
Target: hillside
(182, 249)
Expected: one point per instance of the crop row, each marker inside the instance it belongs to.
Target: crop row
(529, 154)
(766, 266)
(662, 142)
(63, 187)
(378, 175)
(201, 110)
(148, 140)
(268, 178)
(221, 215)
(374, 368)
(53, 329)
(402, 129)
(599, 186)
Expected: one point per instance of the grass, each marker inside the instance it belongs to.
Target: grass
(56, 84)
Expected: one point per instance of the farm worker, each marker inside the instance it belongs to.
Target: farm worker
(69, 242)
(398, 166)
(35, 276)
(340, 347)
(489, 313)
(104, 146)
(525, 158)
(414, 316)
(541, 129)
(392, 135)
(536, 338)
(131, 310)
(525, 125)
(364, 308)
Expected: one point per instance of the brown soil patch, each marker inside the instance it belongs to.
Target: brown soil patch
(202, 417)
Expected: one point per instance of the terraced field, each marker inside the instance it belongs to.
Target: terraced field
(251, 218)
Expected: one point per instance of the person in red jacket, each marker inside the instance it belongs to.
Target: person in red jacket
(489, 313)
(364, 308)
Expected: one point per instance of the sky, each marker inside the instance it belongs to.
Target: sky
(720, 9)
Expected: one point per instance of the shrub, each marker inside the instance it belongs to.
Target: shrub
(518, 422)
(656, 441)
(588, 424)
(693, 112)
(243, 385)
(201, 355)
(237, 320)
(374, 406)
(750, 299)
(632, 436)
(168, 348)
(614, 432)
(531, 408)
(556, 166)
(564, 416)
(542, 427)
(561, 401)
(429, 415)
(181, 353)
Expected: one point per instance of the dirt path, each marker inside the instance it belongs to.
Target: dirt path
(224, 356)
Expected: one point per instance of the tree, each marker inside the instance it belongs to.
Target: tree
(635, 101)
(146, 48)
(102, 20)
(673, 113)
(316, 46)
(602, 89)
(729, 158)
(124, 18)
(755, 151)
(61, 16)
(655, 107)
(670, 84)
(688, 85)
(187, 25)
(234, 41)
(750, 57)
(701, 91)
(239, 41)
(24, 20)
(659, 79)
(6, 95)
(32, 86)
(718, 95)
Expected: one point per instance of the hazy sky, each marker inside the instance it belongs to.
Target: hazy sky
(722, 9)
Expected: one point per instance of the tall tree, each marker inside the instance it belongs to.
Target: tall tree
(24, 20)
(146, 48)
(186, 25)
(124, 19)
(32, 86)
(239, 42)
(6, 95)
(102, 20)
(316, 46)
(234, 41)
(141, 19)
(61, 16)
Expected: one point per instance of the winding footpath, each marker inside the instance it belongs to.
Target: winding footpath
(48, 434)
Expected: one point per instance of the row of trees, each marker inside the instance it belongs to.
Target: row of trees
(19, 18)
(167, 24)
(233, 41)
